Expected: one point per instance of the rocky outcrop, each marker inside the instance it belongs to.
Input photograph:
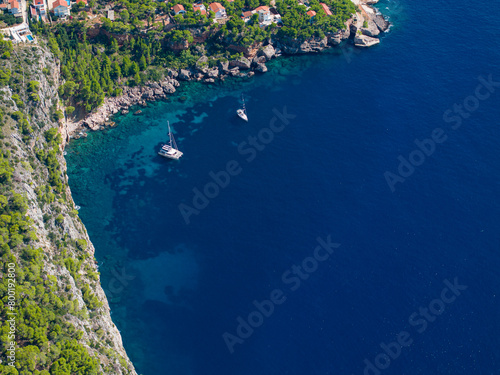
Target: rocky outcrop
(334, 39)
(294, 46)
(184, 75)
(241, 63)
(248, 51)
(177, 46)
(213, 73)
(361, 40)
(131, 96)
(267, 51)
(381, 22)
(234, 72)
(258, 60)
(357, 23)
(224, 66)
(261, 68)
(172, 73)
(372, 29)
(202, 64)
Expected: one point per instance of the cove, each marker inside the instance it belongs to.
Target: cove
(184, 284)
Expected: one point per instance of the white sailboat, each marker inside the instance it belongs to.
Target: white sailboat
(170, 150)
(243, 111)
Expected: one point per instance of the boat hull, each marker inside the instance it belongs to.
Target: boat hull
(170, 152)
(173, 157)
(242, 115)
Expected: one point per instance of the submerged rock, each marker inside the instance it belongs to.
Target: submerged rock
(261, 68)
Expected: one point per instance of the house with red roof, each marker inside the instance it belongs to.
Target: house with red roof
(14, 7)
(326, 9)
(246, 16)
(178, 9)
(200, 8)
(61, 8)
(311, 13)
(40, 7)
(218, 9)
(264, 13)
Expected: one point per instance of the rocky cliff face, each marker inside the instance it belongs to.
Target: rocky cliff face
(67, 250)
(293, 46)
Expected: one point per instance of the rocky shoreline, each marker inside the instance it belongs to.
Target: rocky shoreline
(363, 28)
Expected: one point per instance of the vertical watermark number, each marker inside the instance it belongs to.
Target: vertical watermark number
(11, 312)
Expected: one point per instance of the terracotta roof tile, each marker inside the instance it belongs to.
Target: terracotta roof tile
(216, 7)
(326, 9)
(264, 8)
(59, 3)
(177, 8)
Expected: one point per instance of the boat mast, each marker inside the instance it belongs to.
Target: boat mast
(172, 139)
(169, 133)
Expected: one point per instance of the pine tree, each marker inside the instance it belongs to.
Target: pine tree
(142, 63)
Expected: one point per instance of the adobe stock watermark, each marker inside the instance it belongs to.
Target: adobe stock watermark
(292, 278)
(419, 321)
(118, 282)
(427, 146)
(221, 179)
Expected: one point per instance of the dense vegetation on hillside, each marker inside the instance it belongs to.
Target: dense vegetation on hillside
(47, 268)
(153, 39)
(297, 24)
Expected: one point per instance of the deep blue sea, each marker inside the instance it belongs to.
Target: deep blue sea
(362, 279)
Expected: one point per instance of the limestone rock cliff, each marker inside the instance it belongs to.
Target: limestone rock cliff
(30, 125)
(294, 46)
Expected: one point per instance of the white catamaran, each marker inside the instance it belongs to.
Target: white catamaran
(243, 111)
(170, 150)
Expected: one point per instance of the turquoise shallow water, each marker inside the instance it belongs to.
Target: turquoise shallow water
(176, 288)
